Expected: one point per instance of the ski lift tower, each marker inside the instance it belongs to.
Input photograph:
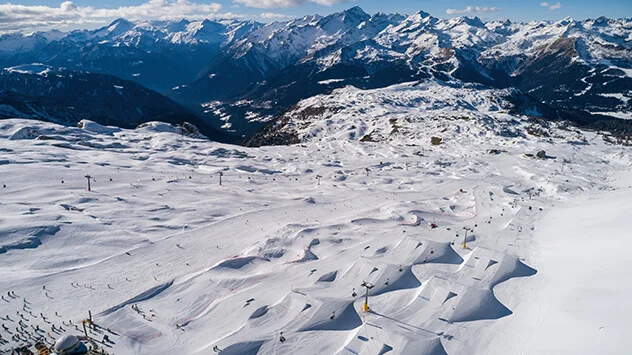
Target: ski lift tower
(465, 237)
(368, 286)
(88, 177)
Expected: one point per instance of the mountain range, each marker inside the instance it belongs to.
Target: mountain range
(241, 76)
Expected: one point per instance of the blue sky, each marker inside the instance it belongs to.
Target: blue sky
(42, 14)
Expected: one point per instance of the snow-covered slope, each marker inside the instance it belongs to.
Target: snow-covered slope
(286, 241)
(413, 112)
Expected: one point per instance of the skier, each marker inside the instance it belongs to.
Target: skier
(333, 316)
(281, 338)
(353, 294)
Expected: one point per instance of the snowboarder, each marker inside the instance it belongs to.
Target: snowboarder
(281, 338)
(386, 283)
(353, 294)
(333, 315)
(217, 349)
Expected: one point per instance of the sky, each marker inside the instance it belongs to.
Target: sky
(30, 15)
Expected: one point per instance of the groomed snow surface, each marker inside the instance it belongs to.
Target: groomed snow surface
(283, 242)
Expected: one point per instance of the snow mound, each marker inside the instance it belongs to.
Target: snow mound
(26, 132)
(333, 315)
(94, 127)
(156, 126)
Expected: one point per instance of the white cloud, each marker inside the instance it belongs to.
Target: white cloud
(23, 17)
(555, 6)
(272, 4)
(68, 6)
(472, 9)
(273, 16)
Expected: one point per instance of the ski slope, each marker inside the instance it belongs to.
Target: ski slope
(282, 244)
